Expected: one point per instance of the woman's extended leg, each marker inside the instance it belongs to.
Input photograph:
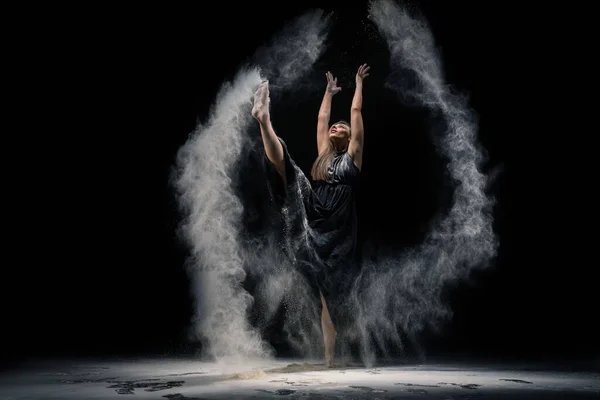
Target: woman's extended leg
(260, 111)
(328, 333)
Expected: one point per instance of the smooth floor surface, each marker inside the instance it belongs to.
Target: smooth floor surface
(290, 379)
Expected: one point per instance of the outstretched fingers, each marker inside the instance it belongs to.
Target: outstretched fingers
(363, 69)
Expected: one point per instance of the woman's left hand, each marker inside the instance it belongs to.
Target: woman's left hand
(362, 73)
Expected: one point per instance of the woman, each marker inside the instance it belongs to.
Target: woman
(329, 205)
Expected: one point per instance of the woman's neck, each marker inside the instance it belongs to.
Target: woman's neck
(339, 147)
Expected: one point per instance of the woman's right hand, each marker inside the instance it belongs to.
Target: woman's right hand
(332, 86)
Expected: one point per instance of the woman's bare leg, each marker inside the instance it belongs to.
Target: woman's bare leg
(328, 333)
(260, 111)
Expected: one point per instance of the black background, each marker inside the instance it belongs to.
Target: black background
(107, 96)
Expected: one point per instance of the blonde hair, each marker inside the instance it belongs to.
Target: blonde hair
(319, 170)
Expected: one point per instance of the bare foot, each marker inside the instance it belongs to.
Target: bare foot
(260, 109)
(329, 362)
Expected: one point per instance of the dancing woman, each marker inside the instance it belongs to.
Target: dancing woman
(330, 205)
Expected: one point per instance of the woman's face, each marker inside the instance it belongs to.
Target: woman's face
(340, 130)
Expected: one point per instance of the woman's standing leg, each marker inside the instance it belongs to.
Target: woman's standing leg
(328, 333)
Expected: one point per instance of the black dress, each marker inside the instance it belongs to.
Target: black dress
(322, 226)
